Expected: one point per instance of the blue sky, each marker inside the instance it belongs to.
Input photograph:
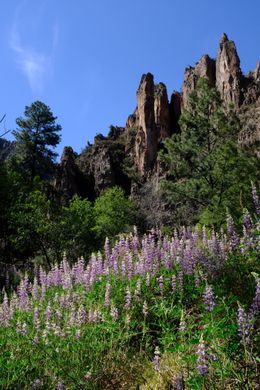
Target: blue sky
(85, 58)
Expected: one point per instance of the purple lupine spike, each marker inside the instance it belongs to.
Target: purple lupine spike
(22, 291)
(157, 359)
(145, 309)
(245, 325)
(48, 316)
(247, 221)
(123, 267)
(21, 327)
(72, 316)
(108, 294)
(5, 313)
(255, 307)
(161, 284)
(114, 313)
(35, 289)
(130, 267)
(37, 384)
(180, 281)
(182, 325)
(178, 383)
(81, 315)
(256, 199)
(60, 386)
(42, 276)
(174, 283)
(128, 298)
(202, 358)
(209, 299)
(233, 238)
(137, 293)
(188, 260)
(36, 320)
(107, 249)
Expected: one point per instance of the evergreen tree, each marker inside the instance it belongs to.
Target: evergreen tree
(209, 170)
(36, 137)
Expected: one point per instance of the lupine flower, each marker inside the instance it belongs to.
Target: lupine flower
(114, 313)
(107, 249)
(202, 358)
(60, 386)
(174, 283)
(137, 292)
(37, 384)
(128, 298)
(147, 280)
(161, 284)
(21, 327)
(145, 309)
(36, 323)
(247, 221)
(180, 281)
(209, 298)
(157, 359)
(81, 315)
(255, 307)
(35, 289)
(234, 240)
(178, 383)
(256, 199)
(245, 325)
(182, 325)
(88, 376)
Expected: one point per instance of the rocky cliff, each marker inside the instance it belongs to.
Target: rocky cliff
(128, 155)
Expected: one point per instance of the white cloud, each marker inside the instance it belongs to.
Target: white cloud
(35, 65)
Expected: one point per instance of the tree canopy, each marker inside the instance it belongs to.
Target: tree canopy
(209, 170)
(36, 136)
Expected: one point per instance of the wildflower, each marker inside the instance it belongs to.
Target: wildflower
(60, 386)
(161, 284)
(202, 358)
(182, 325)
(108, 294)
(209, 298)
(247, 221)
(137, 292)
(157, 359)
(128, 298)
(21, 327)
(255, 307)
(114, 313)
(234, 240)
(145, 309)
(37, 384)
(245, 324)
(178, 383)
(174, 282)
(256, 199)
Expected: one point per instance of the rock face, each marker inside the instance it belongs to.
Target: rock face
(66, 176)
(228, 73)
(146, 137)
(204, 68)
(152, 122)
(161, 112)
(128, 155)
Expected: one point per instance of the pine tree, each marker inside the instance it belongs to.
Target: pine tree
(209, 170)
(36, 137)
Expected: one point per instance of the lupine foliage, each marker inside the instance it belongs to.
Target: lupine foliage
(154, 311)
